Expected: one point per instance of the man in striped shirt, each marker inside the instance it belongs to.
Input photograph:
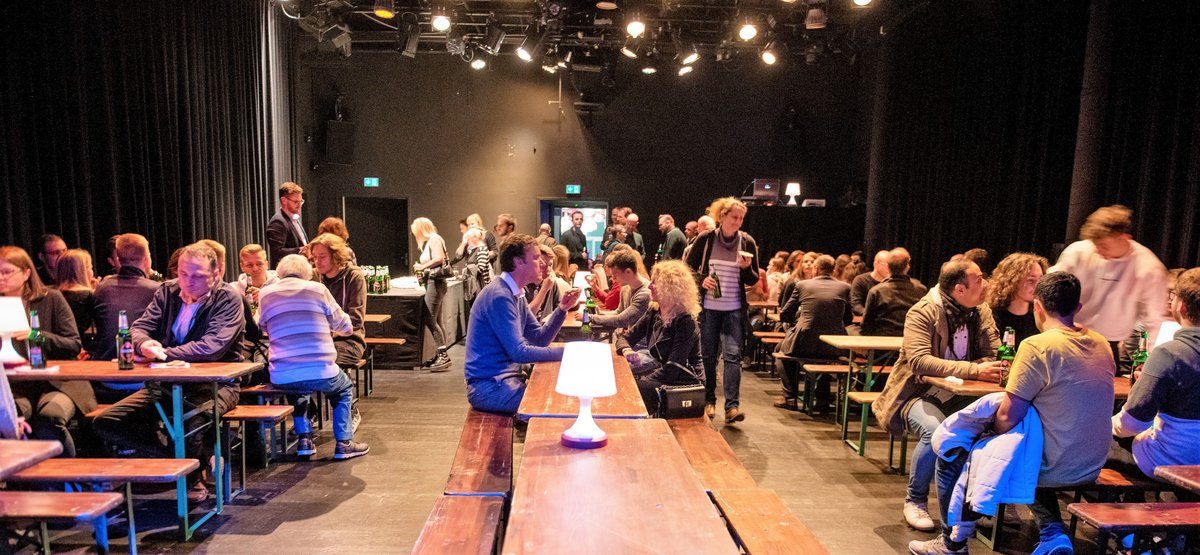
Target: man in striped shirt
(301, 317)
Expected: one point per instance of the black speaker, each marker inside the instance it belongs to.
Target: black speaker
(339, 142)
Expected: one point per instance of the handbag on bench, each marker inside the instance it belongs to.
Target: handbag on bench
(680, 401)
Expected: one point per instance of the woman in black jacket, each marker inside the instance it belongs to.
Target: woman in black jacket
(46, 405)
(670, 330)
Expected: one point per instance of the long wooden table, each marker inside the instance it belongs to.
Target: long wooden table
(1187, 477)
(541, 399)
(638, 494)
(213, 373)
(978, 388)
(17, 455)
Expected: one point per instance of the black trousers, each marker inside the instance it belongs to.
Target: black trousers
(48, 411)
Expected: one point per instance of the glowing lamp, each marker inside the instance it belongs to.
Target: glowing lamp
(792, 191)
(586, 372)
(13, 322)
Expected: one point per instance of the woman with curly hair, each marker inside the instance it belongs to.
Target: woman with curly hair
(1011, 293)
(670, 330)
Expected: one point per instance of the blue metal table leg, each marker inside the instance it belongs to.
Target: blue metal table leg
(218, 452)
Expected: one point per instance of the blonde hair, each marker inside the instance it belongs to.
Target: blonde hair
(562, 261)
(423, 229)
(676, 289)
(335, 226)
(75, 270)
(475, 220)
(1007, 278)
(1108, 221)
(252, 248)
(339, 253)
(720, 207)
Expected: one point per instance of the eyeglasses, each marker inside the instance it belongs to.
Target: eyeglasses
(295, 200)
(5, 274)
(1171, 296)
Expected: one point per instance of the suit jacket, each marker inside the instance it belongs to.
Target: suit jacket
(282, 238)
(635, 240)
(819, 306)
(576, 244)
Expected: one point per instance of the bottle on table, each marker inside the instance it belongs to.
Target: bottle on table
(1007, 352)
(387, 279)
(124, 343)
(1138, 358)
(37, 342)
(716, 290)
(585, 327)
(590, 306)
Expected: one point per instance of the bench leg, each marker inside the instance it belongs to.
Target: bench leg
(44, 537)
(100, 524)
(991, 537)
(129, 516)
(902, 469)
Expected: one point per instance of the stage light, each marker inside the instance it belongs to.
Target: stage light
(565, 60)
(385, 9)
(685, 70)
(748, 30)
(635, 27)
(531, 45)
(493, 38)
(606, 5)
(815, 18)
(862, 2)
(629, 52)
(408, 38)
(690, 56)
(478, 63)
(649, 70)
(769, 53)
(440, 21)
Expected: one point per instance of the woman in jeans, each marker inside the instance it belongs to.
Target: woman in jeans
(731, 255)
(433, 255)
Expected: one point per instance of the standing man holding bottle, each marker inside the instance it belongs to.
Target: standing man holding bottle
(724, 261)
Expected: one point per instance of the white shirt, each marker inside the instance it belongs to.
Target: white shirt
(1118, 292)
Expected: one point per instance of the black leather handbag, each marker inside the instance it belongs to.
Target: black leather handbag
(680, 401)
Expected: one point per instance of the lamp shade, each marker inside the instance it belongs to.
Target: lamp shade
(586, 371)
(793, 189)
(13, 319)
(580, 280)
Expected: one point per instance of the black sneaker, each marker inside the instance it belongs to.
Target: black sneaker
(349, 449)
(304, 446)
(440, 363)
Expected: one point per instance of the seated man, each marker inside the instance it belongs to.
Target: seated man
(194, 318)
(130, 290)
(300, 315)
(504, 334)
(817, 306)
(255, 274)
(623, 267)
(887, 304)
(1066, 373)
(1160, 423)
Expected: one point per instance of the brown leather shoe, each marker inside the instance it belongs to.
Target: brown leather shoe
(198, 493)
(734, 415)
(710, 410)
(786, 404)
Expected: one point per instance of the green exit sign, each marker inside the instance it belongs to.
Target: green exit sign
(574, 189)
(370, 182)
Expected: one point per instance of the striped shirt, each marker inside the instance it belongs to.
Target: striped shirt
(723, 261)
(299, 316)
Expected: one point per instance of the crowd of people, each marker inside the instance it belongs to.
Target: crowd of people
(678, 315)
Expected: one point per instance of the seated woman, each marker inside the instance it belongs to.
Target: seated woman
(608, 300)
(77, 283)
(46, 405)
(1010, 293)
(671, 331)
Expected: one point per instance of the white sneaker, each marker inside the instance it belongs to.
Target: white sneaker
(917, 516)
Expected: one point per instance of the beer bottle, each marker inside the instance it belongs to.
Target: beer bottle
(658, 255)
(37, 342)
(716, 291)
(421, 277)
(1138, 358)
(124, 343)
(586, 327)
(387, 279)
(1007, 352)
(590, 307)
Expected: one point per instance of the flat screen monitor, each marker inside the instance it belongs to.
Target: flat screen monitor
(766, 189)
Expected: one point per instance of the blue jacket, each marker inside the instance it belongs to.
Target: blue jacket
(503, 332)
(215, 333)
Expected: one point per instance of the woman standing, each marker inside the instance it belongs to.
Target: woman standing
(670, 330)
(1011, 293)
(433, 258)
(77, 284)
(725, 261)
(46, 405)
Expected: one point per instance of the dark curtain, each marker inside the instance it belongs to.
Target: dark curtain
(1150, 155)
(975, 142)
(146, 117)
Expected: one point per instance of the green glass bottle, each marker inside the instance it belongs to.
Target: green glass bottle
(590, 306)
(658, 255)
(37, 342)
(421, 277)
(124, 343)
(1007, 352)
(716, 290)
(1138, 358)
(585, 327)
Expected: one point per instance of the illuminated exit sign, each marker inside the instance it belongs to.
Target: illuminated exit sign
(574, 189)
(370, 182)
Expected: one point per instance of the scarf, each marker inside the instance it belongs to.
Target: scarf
(958, 316)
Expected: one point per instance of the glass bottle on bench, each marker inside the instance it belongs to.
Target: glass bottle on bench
(37, 342)
(124, 343)
(1007, 352)
(1138, 358)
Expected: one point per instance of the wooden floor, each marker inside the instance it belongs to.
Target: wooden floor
(378, 503)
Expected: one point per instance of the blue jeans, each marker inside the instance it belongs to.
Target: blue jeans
(721, 331)
(923, 418)
(1045, 501)
(340, 391)
(502, 396)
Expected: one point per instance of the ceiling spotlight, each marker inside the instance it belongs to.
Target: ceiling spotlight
(769, 53)
(862, 2)
(531, 45)
(456, 42)
(566, 60)
(478, 63)
(493, 38)
(440, 21)
(628, 52)
(748, 31)
(408, 38)
(811, 54)
(635, 27)
(606, 5)
(385, 9)
(649, 70)
(689, 56)
(816, 18)
(686, 70)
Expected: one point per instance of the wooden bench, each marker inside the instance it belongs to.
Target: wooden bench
(762, 523)
(461, 526)
(267, 416)
(711, 458)
(268, 394)
(483, 463)
(45, 507)
(373, 342)
(763, 347)
(1143, 520)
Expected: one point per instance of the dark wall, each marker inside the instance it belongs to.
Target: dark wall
(454, 140)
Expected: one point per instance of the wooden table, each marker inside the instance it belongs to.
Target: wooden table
(17, 455)
(978, 388)
(541, 399)
(638, 494)
(1187, 477)
(874, 349)
(376, 318)
(769, 306)
(213, 373)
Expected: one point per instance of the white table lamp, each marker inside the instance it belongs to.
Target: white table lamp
(13, 321)
(792, 191)
(586, 372)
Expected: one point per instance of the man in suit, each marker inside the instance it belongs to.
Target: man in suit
(576, 241)
(634, 239)
(285, 233)
(820, 305)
